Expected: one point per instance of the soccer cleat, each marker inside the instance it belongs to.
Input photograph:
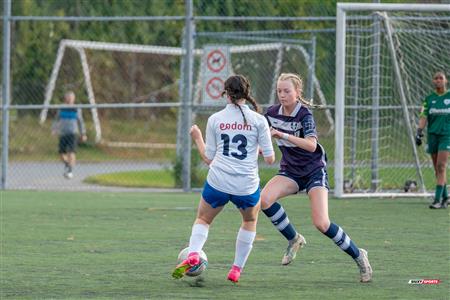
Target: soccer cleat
(294, 245)
(435, 205)
(444, 203)
(181, 269)
(234, 274)
(184, 267)
(68, 175)
(365, 270)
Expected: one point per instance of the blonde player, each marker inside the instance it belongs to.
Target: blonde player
(302, 167)
(233, 136)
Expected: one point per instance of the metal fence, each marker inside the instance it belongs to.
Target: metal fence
(139, 80)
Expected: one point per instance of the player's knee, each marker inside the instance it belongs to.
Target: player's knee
(202, 219)
(250, 220)
(440, 167)
(266, 200)
(321, 224)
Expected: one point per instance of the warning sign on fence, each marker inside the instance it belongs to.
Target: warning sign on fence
(215, 70)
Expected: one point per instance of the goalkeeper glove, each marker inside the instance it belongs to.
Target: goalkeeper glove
(419, 136)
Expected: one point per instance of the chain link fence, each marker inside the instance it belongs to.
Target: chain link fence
(125, 62)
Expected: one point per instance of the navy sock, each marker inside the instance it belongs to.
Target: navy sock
(341, 239)
(279, 218)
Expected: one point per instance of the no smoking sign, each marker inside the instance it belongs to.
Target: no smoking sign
(215, 87)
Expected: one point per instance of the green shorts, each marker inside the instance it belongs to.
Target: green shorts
(437, 142)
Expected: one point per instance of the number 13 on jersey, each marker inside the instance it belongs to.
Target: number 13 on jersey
(241, 142)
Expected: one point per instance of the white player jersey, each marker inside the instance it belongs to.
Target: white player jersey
(233, 148)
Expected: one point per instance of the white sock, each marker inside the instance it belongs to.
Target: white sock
(198, 237)
(244, 244)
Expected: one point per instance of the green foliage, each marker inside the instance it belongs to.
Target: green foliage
(34, 43)
(72, 245)
(197, 174)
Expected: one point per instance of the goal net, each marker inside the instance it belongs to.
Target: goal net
(386, 56)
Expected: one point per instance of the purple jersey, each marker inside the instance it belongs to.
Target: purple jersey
(301, 124)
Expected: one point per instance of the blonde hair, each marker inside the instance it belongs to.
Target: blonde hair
(297, 81)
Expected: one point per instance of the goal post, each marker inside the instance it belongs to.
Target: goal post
(385, 57)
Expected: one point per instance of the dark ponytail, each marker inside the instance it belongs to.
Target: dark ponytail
(237, 87)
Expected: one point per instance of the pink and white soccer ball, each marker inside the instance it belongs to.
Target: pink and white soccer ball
(195, 270)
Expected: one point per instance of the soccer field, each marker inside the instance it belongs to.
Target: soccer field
(72, 245)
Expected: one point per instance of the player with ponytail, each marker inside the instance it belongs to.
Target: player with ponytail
(233, 136)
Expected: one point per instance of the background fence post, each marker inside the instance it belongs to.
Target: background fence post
(311, 69)
(5, 88)
(187, 96)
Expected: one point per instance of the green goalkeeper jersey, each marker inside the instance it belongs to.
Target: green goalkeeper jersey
(436, 108)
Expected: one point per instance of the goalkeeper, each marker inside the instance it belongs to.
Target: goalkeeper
(435, 114)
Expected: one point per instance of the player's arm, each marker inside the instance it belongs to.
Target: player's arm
(423, 116)
(197, 136)
(81, 126)
(309, 142)
(422, 123)
(55, 124)
(265, 143)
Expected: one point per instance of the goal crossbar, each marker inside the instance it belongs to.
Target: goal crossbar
(354, 6)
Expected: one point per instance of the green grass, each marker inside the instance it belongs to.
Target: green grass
(164, 178)
(150, 178)
(157, 178)
(73, 245)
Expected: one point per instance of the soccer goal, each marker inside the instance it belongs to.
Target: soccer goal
(386, 55)
(108, 61)
(130, 76)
